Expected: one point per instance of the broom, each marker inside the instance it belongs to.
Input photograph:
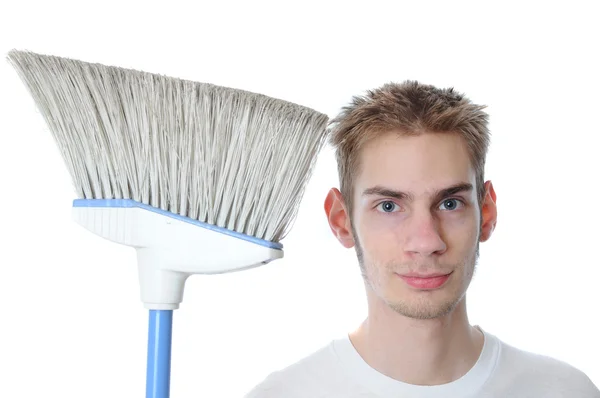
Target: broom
(198, 178)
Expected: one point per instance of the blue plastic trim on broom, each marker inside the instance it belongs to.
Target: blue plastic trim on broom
(133, 203)
(158, 370)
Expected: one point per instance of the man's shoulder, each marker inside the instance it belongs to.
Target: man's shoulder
(521, 367)
(310, 371)
(532, 362)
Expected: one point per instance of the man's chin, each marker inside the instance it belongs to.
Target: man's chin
(422, 309)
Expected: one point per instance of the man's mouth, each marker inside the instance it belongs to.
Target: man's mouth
(425, 281)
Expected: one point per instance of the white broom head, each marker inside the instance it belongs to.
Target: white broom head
(222, 156)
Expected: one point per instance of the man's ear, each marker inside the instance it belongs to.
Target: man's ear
(489, 213)
(339, 220)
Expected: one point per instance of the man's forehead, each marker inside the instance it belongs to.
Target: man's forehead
(425, 163)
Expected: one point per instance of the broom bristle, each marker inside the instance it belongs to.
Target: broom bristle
(223, 156)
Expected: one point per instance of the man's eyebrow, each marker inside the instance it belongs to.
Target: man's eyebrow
(379, 190)
(453, 190)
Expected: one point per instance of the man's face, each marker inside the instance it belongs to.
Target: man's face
(415, 216)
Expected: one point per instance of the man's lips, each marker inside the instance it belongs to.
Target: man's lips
(425, 281)
(418, 275)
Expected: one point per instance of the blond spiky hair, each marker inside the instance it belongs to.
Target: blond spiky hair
(411, 108)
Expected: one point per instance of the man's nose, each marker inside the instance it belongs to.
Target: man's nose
(423, 235)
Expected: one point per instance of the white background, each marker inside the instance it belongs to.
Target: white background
(72, 324)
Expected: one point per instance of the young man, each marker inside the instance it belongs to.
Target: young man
(414, 204)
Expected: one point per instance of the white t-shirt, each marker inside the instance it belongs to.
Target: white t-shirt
(337, 370)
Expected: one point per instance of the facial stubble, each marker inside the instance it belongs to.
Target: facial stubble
(422, 307)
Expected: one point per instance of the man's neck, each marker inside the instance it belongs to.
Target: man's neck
(421, 352)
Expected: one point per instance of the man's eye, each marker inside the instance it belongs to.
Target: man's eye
(451, 204)
(388, 206)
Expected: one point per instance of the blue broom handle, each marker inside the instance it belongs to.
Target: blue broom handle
(158, 371)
